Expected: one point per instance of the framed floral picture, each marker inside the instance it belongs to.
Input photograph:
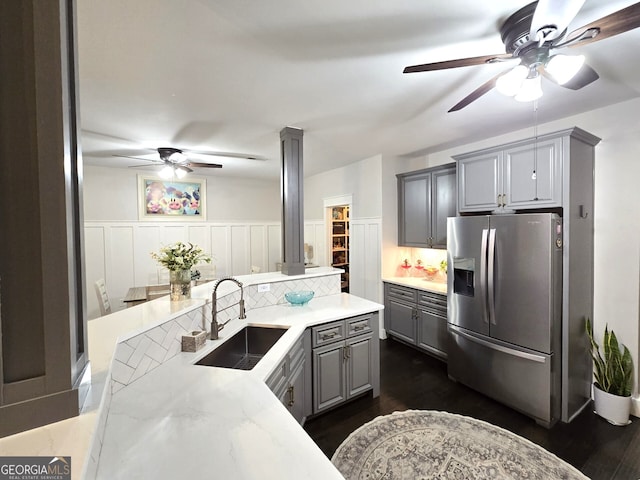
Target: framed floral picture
(171, 200)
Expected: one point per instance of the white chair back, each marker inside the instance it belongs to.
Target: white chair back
(103, 298)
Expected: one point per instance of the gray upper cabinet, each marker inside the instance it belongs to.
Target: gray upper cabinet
(517, 176)
(533, 175)
(425, 199)
(479, 181)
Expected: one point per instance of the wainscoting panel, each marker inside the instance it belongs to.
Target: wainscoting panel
(365, 260)
(259, 251)
(240, 252)
(315, 235)
(94, 264)
(146, 267)
(120, 261)
(120, 252)
(274, 250)
(199, 234)
(220, 249)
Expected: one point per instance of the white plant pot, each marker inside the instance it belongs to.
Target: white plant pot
(613, 408)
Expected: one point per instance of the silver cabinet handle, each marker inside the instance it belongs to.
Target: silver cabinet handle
(291, 395)
(357, 328)
(328, 336)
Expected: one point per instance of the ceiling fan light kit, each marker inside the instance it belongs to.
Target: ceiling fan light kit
(509, 83)
(564, 67)
(533, 34)
(530, 90)
(171, 171)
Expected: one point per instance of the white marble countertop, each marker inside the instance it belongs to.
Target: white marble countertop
(418, 283)
(187, 421)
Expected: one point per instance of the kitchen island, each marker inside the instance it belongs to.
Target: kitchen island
(180, 420)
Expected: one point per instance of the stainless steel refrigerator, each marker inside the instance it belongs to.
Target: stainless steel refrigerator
(505, 308)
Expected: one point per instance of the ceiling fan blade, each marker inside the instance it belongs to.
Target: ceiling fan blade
(584, 77)
(476, 94)
(151, 160)
(461, 62)
(140, 166)
(246, 156)
(614, 24)
(205, 165)
(552, 17)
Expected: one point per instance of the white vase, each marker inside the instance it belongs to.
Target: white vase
(613, 408)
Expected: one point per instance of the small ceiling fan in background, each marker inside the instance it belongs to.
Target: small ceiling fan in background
(533, 34)
(176, 162)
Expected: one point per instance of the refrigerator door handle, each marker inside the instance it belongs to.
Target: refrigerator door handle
(491, 255)
(483, 275)
(499, 348)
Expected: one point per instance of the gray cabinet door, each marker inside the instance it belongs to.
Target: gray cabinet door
(400, 320)
(443, 204)
(329, 376)
(295, 397)
(414, 207)
(359, 358)
(533, 175)
(433, 335)
(479, 182)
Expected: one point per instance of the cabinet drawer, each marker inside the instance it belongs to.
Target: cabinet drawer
(358, 325)
(401, 293)
(329, 333)
(433, 301)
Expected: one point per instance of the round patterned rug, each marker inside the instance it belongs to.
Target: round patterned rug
(422, 444)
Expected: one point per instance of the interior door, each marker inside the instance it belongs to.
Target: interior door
(524, 279)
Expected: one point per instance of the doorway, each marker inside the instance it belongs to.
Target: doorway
(339, 242)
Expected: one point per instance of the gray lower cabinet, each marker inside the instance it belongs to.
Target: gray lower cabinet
(346, 359)
(291, 381)
(417, 317)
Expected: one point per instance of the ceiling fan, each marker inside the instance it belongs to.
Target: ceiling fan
(533, 34)
(176, 162)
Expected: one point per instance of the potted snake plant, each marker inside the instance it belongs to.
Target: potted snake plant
(613, 373)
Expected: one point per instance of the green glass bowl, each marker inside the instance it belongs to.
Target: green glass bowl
(299, 298)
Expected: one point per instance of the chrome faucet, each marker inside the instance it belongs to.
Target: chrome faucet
(215, 327)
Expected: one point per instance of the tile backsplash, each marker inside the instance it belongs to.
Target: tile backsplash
(142, 353)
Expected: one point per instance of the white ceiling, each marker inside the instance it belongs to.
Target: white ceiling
(228, 75)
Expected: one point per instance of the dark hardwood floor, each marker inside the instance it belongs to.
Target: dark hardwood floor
(414, 380)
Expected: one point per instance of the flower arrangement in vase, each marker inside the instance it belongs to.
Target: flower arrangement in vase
(179, 258)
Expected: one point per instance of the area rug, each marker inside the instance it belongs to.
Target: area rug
(422, 444)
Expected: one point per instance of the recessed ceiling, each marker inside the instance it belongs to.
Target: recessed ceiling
(227, 76)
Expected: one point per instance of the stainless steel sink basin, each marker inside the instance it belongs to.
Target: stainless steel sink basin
(244, 349)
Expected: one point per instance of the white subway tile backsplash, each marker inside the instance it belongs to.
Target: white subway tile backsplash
(142, 353)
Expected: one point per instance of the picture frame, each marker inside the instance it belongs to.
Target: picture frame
(173, 200)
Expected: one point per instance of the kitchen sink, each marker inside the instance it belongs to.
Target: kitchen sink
(244, 349)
